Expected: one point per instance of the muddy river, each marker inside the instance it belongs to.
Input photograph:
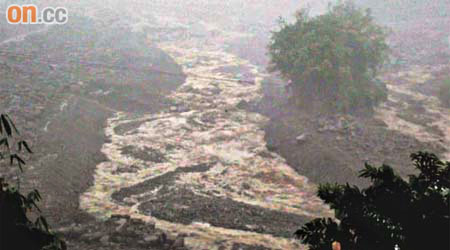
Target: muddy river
(204, 127)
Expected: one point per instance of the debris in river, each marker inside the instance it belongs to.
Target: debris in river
(213, 130)
(302, 138)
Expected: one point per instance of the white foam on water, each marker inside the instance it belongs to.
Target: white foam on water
(413, 77)
(232, 138)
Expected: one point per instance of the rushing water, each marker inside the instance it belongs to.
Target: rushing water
(203, 126)
(405, 83)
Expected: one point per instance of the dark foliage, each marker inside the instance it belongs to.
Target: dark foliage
(333, 57)
(17, 231)
(413, 214)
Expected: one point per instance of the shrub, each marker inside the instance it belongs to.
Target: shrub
(413, 214)
(333, 57)
(17, 231)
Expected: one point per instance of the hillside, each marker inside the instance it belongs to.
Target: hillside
(337, 146)
(133, 158)
(61, 101)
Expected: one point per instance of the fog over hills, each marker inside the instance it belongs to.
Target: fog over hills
(157, 125)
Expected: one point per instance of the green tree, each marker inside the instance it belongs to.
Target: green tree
(17, 231)
(413, 214)
(334, 57)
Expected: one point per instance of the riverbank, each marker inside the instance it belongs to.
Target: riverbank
(77, 99)
(188, 163)
(174, 167)
(333, 148)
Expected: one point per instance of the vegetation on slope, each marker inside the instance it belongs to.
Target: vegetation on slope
(333, 57)
(412, 214)
(17, 231)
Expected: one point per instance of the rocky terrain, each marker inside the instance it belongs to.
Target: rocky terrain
(61, 108)
(214, 156)
(413, 118)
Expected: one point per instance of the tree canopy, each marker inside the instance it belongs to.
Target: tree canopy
(334, 56)
(412, 214)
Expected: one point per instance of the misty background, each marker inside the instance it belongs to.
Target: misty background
(126, 111)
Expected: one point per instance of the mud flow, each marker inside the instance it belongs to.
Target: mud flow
(158, 159)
